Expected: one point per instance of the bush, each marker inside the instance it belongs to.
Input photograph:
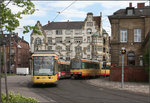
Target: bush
(17, 98)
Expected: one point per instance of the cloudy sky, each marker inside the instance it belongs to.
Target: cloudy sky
(48, 10)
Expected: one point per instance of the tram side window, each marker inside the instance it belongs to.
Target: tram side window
(67, 68)
(107, 66)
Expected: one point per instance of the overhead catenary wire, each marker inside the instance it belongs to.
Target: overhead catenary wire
(63, 10)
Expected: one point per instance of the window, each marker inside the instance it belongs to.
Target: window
(58, 48)
(67, 39)
(78, 49)
(104, 50)
(94, 48)
(99, 48)
(123, 35)
(137, 35)
(94, 40)
(78, 39)
(58, 40)
(130, 12)
(50, 32)
(58, 32)
(68, 32)
(88, 48)
(88, 39)
(67, 48)
(49, 47)
(131, 58)
(89, 31)
(49, 40)
(12, 50)
(38, 41)
(104, 41)
(78, 32)
(100, 40)
(89, 23)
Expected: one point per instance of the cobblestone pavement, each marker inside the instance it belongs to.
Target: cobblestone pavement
(129, 86)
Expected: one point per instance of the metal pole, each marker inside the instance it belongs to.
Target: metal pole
(122, 84)
(5, 73)
(0, 75)
(149, 56)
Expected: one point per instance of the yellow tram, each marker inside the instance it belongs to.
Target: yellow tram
(105, 68)
(88, 68)
(44, 67)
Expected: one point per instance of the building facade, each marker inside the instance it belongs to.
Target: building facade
(76, 38)
(130, 29)
(16, 51)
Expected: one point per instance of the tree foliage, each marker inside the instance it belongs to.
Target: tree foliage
(146, 58)
(10, 20)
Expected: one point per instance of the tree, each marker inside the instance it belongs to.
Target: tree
(10, 21)
(146, 59)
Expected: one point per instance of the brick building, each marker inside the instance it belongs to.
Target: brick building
(130, 28)
(19, 52)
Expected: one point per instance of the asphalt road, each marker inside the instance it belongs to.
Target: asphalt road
(71, 91)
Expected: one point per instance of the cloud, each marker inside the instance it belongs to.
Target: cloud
(73, 13)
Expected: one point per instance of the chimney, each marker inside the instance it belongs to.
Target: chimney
(139, 5)
(130, 4)
(48, 22)
(101, 14)
(22, 37)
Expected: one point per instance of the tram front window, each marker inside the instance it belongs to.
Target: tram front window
(43, 65)
(75, 65)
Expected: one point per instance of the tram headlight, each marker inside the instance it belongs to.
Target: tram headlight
(37, 77)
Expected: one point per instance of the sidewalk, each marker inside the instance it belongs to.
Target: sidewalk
(129, 86)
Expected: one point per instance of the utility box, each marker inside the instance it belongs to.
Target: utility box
(22, 71)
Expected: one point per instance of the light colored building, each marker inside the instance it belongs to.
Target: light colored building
(68, 39)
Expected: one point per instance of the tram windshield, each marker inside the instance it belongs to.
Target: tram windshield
(43, 65)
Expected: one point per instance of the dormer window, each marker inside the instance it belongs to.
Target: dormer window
(130, 12)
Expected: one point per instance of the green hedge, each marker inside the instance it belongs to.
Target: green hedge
(17, 98)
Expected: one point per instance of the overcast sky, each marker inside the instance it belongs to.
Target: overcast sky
(47, 11)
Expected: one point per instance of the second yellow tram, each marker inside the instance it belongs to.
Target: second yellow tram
(88, 68)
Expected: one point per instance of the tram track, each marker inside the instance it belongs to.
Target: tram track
(72, 91)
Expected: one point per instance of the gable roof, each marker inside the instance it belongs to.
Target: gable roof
(70, 24)
(138, 12)
(63, 25)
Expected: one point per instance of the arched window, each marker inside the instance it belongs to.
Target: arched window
(38, 41)
(131, 58)
(89, 31)
(78, 49)
(58, 48)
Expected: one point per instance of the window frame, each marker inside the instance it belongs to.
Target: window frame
(138, 35)
(59, 32)
(123, 35)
